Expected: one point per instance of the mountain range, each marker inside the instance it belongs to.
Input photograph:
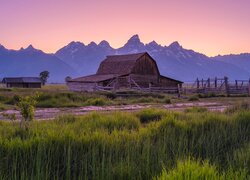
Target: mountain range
(78, 59)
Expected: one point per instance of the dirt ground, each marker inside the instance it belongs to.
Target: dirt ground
(51, 113)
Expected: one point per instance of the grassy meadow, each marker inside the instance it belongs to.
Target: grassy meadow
(150, 144)
(58, 96)
(147, 144)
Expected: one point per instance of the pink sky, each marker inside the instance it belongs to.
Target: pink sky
(210, 27)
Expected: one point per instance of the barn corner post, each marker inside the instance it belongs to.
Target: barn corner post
(208, 82)
(179, 90)
(226, 85)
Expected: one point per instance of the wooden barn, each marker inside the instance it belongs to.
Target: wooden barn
(132, 71)
(22, 82)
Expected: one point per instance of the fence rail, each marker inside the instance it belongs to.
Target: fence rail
(218, 86)
(200, 86)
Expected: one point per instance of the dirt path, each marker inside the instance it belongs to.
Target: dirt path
(50, 113)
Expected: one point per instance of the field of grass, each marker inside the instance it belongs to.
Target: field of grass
(151, 144)
(58, 96)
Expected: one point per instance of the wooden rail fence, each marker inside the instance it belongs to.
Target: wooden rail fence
(214, 86)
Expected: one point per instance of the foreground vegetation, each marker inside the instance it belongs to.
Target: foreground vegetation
(58, 96)
(158, 144)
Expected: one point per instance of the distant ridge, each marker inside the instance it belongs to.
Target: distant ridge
(78, 59)
(173, 60)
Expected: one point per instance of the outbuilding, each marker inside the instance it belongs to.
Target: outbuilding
(22, 82)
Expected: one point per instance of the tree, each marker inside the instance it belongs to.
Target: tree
(44, 76)
(27, 107)
(68, 78)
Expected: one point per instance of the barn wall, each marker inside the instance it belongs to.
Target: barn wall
(165, 82)
(145, 80)
(34, 85)
(15, 85)
(122, 82)
(81, 86)
(145, 66)
(23, 85)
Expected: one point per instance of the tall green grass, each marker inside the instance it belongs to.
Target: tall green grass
(194, 170)
(119, 146)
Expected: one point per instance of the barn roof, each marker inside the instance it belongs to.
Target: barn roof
(93, 78)
(171, 79)
(119, 64)
(21, 80)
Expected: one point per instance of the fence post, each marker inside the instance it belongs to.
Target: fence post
(226, 85)
(129, 81)
(198, 83)
(215, 82)
(149, 85)
(236, 84)
(208, 82)
(179, 90)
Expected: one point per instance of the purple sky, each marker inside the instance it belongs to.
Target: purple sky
(211, 27)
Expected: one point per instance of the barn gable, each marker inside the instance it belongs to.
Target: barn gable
(145, 65)
(118, 64)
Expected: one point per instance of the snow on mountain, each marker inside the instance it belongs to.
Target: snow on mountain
(173, 60)
(78, 59)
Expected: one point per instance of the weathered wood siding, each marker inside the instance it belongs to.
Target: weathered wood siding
(145, 80)
(165, 82)
(81, 86)
(145, 66)
(23, 85)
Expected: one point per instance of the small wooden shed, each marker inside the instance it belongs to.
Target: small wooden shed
(124, 71)
(22, 82)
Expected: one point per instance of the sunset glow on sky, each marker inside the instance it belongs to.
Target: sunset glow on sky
(210, 27)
